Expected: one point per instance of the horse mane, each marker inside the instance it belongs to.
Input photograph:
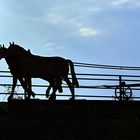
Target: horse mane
(16, 49)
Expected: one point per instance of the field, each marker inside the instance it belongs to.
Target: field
(70, 120)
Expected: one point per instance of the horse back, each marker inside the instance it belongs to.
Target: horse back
(39, 66)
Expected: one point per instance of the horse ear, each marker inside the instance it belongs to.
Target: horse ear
(2, 46)
(29, 51)
(13, 43)
(10, 43)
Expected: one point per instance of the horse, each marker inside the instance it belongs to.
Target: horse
(54, 82)
(47, 67)
(27, 81)
(23, 53)
(53, 68)
(16, 72)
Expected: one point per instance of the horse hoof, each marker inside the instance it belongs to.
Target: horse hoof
(33, 94)
(9, 98)
(72, 98)
(47, 94)
(60, 90)
(52, 98)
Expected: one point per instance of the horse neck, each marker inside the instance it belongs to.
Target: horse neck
(10, 60)
(5, 53)
(17, 50)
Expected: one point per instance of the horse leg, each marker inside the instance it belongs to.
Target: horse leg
(29, 86)
(71, 87)
(27, 82)
(53, 95)
(25, 92)
(59, 87)
(54, 86)
(48, 91)
(13, 88)
(23, 84)
(58, 83)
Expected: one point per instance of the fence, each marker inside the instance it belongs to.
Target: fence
(96, 83)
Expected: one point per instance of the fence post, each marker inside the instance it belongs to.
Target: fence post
(120, 86)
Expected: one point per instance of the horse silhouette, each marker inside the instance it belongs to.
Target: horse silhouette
(17, 73)
(57, 68)
(26, 65)
(22, 53)
(55, 83)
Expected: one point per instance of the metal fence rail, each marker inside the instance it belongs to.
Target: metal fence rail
(93, 81)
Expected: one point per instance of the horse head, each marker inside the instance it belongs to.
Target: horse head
(18, 50)
(3, 51)
(13, 45)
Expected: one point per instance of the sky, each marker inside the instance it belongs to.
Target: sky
(91, 31)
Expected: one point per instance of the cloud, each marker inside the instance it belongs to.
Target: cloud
(60, 19)
(73, 24)
(52, 47)
(95, 9)
(87, 32)
(126, 3)
(55, 18)
(119, 2)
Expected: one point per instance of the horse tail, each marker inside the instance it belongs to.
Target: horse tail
(74, 79)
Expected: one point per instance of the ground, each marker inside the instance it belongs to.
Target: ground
(94, 122)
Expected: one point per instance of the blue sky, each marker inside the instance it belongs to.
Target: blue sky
(92, 31)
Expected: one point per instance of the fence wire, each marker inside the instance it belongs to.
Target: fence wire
(87, 80)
